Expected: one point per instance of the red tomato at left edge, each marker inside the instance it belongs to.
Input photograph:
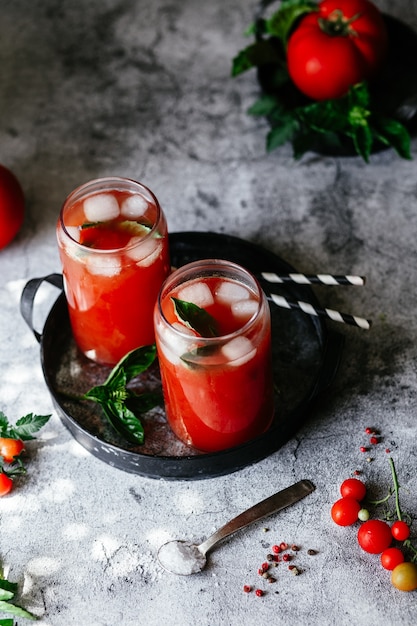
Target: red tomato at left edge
(341, 44)
(12, 206)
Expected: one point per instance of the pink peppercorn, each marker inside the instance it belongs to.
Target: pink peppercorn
(247, 588)
(373, 440)
(259, 593)
(276, 549)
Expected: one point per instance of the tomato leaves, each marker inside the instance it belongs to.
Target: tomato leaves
(356, 122)
(25, 427)
(121, 405)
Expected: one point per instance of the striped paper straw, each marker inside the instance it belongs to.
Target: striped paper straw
(314, 279)
(308, 308)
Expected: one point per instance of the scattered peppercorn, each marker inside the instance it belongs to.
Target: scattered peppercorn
(363, 449)
(247, 588)
(271, 579)
(311, 552)
(287, 557)
(283, 545)
(373, 440)
(276, 549)
(294, 548)
(259, 593)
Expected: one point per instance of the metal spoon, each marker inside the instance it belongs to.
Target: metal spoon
(185, 558)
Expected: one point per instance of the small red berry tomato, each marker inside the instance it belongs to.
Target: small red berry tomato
(374, 536)
(10, 448)
(353, 488)
(404, 576)
(345, 511)
(400, 530)
(6, 484)
(391, 557)
(12, 206)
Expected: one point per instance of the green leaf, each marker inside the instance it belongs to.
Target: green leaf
(132, 364)
(7, 607)
(255, 55)
(282, 21)
(282, 131)
(6, 595)
(28, 425)
(6, 585)
(264, 106)
(143, 402)
(195, 318)
(394, 133)
(124, 421)
(363, 140)
(7, 622)
(121, 406)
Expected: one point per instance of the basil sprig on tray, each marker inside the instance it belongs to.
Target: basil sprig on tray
(356, 122)
(122, 406)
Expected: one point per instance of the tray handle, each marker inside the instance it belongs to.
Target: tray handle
(27, 299)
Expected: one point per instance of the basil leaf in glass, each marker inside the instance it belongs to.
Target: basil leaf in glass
(195, 318)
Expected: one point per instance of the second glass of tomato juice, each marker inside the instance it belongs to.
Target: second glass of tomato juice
(113, 244)
(213, 335)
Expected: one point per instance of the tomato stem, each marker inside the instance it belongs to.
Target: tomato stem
(337, 25)
(396, 489)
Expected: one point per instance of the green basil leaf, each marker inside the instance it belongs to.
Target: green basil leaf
(195, 318)
(143, 402)
(6, 585)
(7, 622)
(7, 607)
(265, 105)
(124, 421)
(132, 364)
(6, 595)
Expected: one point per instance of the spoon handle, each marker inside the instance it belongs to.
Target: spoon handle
(270, 505)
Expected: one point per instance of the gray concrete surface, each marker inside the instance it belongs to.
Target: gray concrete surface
(143, 89)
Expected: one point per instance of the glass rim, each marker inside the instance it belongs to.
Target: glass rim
(260, 295)
(83, 191)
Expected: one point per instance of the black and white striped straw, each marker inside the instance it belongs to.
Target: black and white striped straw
(306, 307)
(314, 279)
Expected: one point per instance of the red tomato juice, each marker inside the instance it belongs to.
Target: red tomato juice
(213, 401)
(112, 270)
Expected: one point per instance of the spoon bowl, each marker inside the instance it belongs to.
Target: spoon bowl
(185, 558)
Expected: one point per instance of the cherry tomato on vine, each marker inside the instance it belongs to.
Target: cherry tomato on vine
(353, 488)
(6, 484)
(10, 448)
(340, 44)
(404, 576)
(391, 557)
(400, 530)
(12, 206)
(345, 511)
(374, 536)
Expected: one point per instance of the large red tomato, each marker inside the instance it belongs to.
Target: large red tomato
(12, 206)
(341, 44)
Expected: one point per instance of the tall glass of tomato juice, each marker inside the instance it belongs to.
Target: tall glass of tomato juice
(218, 386)
(113, 244)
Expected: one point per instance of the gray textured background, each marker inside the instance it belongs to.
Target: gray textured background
(143, 89)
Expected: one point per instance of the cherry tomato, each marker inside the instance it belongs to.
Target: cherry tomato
(12, 206)
(353, 488)
(404, 576)
(391, 557)
(345, 511)
(6, 484)
(339, 45)
(400, 530)
(10, 448)
(374, 536)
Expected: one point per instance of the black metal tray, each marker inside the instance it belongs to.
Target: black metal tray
(306, 356)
